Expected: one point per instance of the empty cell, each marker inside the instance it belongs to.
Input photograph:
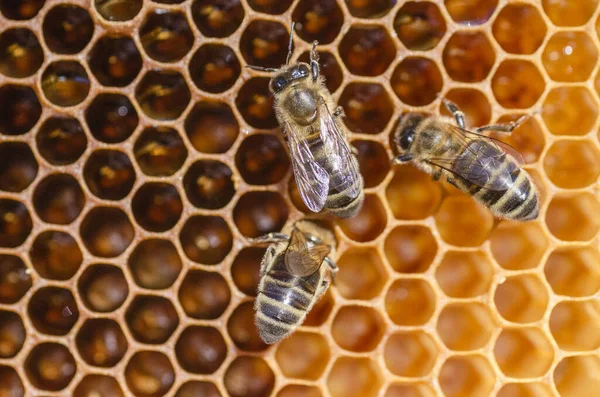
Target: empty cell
(21, 109)
(320, 312)
(211, 127)
(260, 213)
(329, 68)
(570, 111)
(149, 374)
(466, 376)
(468, 56)
(569, 56)
(367, 50)
(98, 385)
(111, 118)
(567, 13)
(249, 376)
(367, 107)
(572, 164)
(155, 264)
(106, 232)
(50, 366)
(242, 329)
(300, 391)
(58, 199)
(528, 139)
(409, 390)
(357, 328)
(109, 174)
(157, 206)
(465, 274)
(12, 334)
(295, 197)
(55, 255)
(523, 352)
(65, 83)
(214, 68)
(206, 239)
(573, 217)
(20, 53)
(412, 194)
(471, 12)
(264, 43)
(18, 166)
(319, 20)
(101, 342)
(262, 160)
(273, 7)
(195, 388)
(255, 103)
(166, 36)
(519, 29)
(60, 140)
(465, 326)
(472, 102)
(518, 246)
(410, 302)
(15, 223)
(21, 10)
(575, 325)
(373, 162)
(463, 222)
(15, 279)
(204, 295)
(67, 29)
(354, 377)
(303, 355)
(103, 288)
(163, 94)
(245, 269)
(368, 224)
(217, 18)
(151, 319)
(534, 389)
(410, 354)
(200, 349)
(115, 60)
(371, 9)
(410, 249)
(517, 84)
(521, 298)
(417, 81)
(118, 11)
(577, 376)
(10, 383)
(574, 271)
(362, 274)
(53, 310)
(420, 25)
(160, 151)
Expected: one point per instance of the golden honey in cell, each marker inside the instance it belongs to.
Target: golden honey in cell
(295, 272)
(487, 169)
(326, 170)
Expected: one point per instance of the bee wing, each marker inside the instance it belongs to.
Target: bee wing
(302, 260)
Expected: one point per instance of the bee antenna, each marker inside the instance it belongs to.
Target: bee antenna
(261, 69)
(290, 44)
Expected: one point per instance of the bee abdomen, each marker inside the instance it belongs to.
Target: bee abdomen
(343, 206)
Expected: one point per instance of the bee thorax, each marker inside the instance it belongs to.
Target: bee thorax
(301, 106)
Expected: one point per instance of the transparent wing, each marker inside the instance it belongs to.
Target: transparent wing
(301, 259)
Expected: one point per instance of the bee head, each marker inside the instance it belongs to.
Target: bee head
(281, 80)
(405, 134)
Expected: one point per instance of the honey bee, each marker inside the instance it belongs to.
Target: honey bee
(485, 168)
(292, 277)
(325, 167)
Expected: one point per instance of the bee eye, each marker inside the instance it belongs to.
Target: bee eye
(278, 83)
(407, 138)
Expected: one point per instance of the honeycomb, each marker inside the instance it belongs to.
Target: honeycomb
(137, 154)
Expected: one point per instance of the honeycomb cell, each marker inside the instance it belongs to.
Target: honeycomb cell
(255, 103)
(519, 29)
(368, 223)
(249, 377)
(61, 140)
(10, 383)
(99, 386)
(363, 274)
(101, 342)
(166, 36)
(21, 109)
(214, 68)
(272, 7)
(198, 388)
(149, 374)
(15, 223)
(211, 127)
(50, 366)
(304, 355)
(209, 184)
(420, 25)
(570, 111)
(103, 288)
(20, 53)
(206, 239)
(55, 255)
(320, 312)
(111, 118)
(15, 279)
(471, 12)
(410, 354)
(53, 310)
(464, 274)
(462, 222)
(518, 246)
(367, 107)
(65, 83)
(200, 349)
(525, 390)
(260, 213)
(573, 271)
(264, 43)
(410, 302)
(521, 298)
(242, 329)
(163, 94)
(115, 60)
(245, 270)
(575, 325)
(118, 10)
(354, 377)
(357, 328)
(12, 334)
(410, 249)
(571, 217)
(204, 295)
(572, 164)
(371, 9)
(151, 319)
(160, 151)
(570, 56)
(577, 376)
(566, 13)
(217, 18)
(517, 84)
(155, 264)
(299, 391)
(473, 103)
(21, 10)
(465, 326)
(528, 139)
(18, 166)
(109, 174)
(523, 352)
(262, 160)
(412, 194)
(58, 199)
(468, 56)
(106, 232)
(329, 68)
(367, 50)
(373, 161)
(409, 390)
(157, 206)
(417, 81)
(319, 20)
(466, 376)
(67, 29)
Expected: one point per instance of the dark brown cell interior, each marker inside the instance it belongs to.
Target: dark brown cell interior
(166, 36)
(15, 223)
(259, 213)
(65, 83)
(245, 269)
(472, 12)
(53, 310)
(101, 342)
(370, 9)
(151, 319)
(264, 43)
(103, 288)
(328, 68)
(118, 10)
(217, 18)
(155, 264)
(209, 184)
(367, 108)
(255, 103)
(420, 25)
(319, 20)
(115, 60)
(198, 388)
(373, 161)
(98, 385)
(109, 174)
(111, 118)
(249, 376)
(417, 81)
(20, 109)
(15, 279)
(204, 295)
(18, 166)
(58, 199)
(67, 29)
(273, 7)
(160, 151)
(200, 349)
(50, 366)
(262, 160)
(149, 373)
(106, 232)
(157, 206)
(206, 239)
(214, 68)
(367, 50)
(211, 127)
(55, 255)
(468, 56)
(10, 382)
(20, 53)
(61, 140)
(12, 334)
(163, 94)
(21, 10)
(242, 330)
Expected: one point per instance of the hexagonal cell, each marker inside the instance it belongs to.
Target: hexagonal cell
(55, 255)
(412, 194)
(260, 213)
(465, 326)
(155, 264)
(357, 328)
(373, 161)
(567, 107)
(151, 319)
(295, 197)
(111, 118)
(472, 12)
(115, 60)
(149, 374)
(410, 302)
(521, 298)
(573, 271)
(67, 29)
(523, 352)
(15, 279)
(320, 311)
(409, 390)
(106, 232)
(417, 81)
(21, 109)
(58, 199)
(420, 25)
(367, 107)
(118, 11)
(109, 174)
(528, 139)
(53, 310)
(463, 222)
(572, 164)
(304, 355)
(20, 53)
(245, 269)
(329, 68)
(217, 18)
(372, 9)
(198, 388)
(577, 376)
(50, 366)
(354, 377)
(18, 166)
(10, 383)
(473, 103)
(299, 391)
(575, 325)
(255, 103)
(206, 239)
(464, 274)
(214, 68)
(12, 334)
(166, 36)
(519, 29)
(249, 376)
(103, 288)
(368, 223)
(61, 140)
(517, 84)
(99, 386)
(319, 20)
(410, 249)
(566, 13)
(410, 354)
(525, 390)
(163, 94)
(468, 56)
(570, 56)
(363, 274)
(264, 43)
(157, 206)
(160, 151)
(101, 342)
(209, 184)
(571, 217)
(204, 295)
(211, 127)
(65, 83)
(242, 329)
(518, 246)
(367, 50)
(262, 160)
(466, 376)
(15, 223)
(21, 10)
(200, 350)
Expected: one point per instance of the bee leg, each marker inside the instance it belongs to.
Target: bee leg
(333, 268)
(314, 60)
(506, 128)
(458, 114)
(451, 181)
(269, 239)
(267, 260)
(338, 112)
